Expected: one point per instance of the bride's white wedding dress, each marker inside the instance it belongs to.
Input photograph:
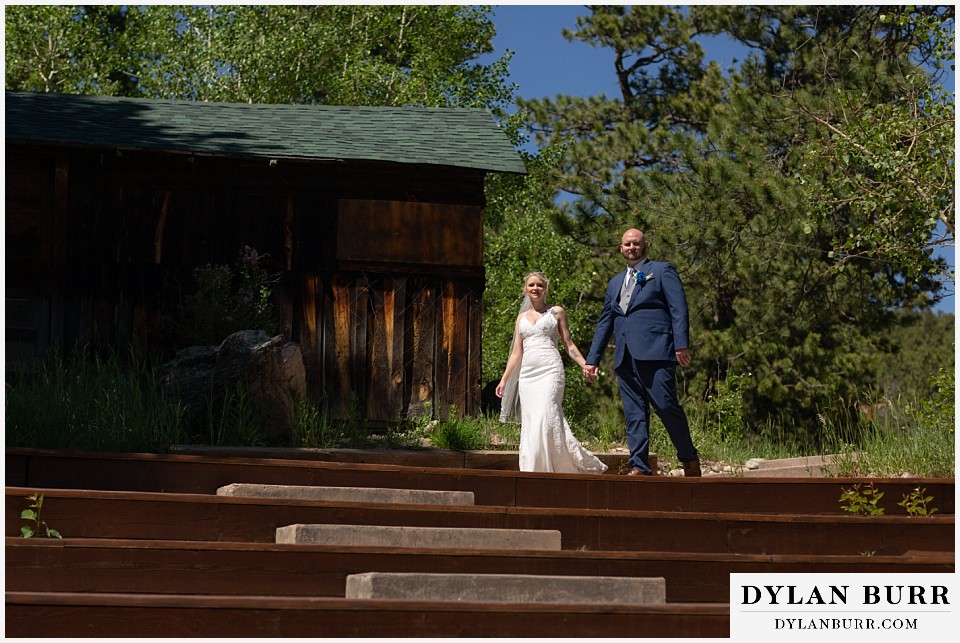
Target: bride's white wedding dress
(546, 441)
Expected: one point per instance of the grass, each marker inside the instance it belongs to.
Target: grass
(92, 404)
(89, 403)
(315, 428)
(890, 448)
(229, 420)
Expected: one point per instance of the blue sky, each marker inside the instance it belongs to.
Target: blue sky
(545, 64)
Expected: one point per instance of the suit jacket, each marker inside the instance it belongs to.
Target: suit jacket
(656, 323)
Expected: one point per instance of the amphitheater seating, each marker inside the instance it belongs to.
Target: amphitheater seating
(151, 549)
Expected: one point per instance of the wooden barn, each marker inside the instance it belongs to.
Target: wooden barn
(372, 217)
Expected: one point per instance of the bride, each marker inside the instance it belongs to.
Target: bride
(535, 371)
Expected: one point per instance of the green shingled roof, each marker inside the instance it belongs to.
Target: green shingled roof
(467, 138)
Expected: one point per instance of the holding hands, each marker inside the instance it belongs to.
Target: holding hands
(591, 372)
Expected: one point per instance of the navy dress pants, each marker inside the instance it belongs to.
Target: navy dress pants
(646, 383)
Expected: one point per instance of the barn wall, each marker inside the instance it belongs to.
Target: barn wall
(35, 210)
(377, 324)
(404, 232)
(401, 344)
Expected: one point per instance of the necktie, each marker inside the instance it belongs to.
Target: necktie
(627, 289)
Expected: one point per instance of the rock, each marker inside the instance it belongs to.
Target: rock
(188, 375)
(754, 463)
(271, 370)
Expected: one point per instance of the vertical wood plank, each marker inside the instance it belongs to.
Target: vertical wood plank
(337, 346)
(358, 328)
(307, 331)
(289, 224)
(159, 228)
(177, 228)
(384, 401)
(451, 349)
(421, 333)
(460, 349)
(345, 343)
(474, 357)
(397, 371)
(58, 250)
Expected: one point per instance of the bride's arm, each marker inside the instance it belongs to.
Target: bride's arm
(513, 361)
(568, 344)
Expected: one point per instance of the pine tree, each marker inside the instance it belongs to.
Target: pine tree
(706, 160)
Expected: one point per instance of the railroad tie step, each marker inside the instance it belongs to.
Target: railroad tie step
(510, 588)
(348, 494)
(420, 537)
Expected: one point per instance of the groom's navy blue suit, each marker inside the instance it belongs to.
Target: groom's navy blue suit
(646, 338)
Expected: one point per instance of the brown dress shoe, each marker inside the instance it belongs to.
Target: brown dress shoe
(635, 472)
(691, 469)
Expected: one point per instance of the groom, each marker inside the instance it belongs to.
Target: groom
(645, 310)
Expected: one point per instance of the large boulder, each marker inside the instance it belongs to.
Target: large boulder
(270, 369)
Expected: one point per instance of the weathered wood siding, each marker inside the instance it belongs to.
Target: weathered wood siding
(381, 267)
(399, 232)
(401, 345)
(34, 214)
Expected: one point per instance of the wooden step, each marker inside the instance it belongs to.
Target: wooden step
(193, 474)
(191, 563)
(116, 514)
(168, 566)
(500, 459)
(60, 614)
(507, 588)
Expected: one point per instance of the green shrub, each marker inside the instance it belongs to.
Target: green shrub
(917, 503)
(724, 419)
(459, 433)
(226, 299)
(36, 527)
(862, 500)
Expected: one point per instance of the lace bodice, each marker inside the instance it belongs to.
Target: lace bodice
(543, 333)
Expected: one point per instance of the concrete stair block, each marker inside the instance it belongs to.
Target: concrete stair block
(507, 588)
(420, 537)
(348, 494)
(803, 467)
